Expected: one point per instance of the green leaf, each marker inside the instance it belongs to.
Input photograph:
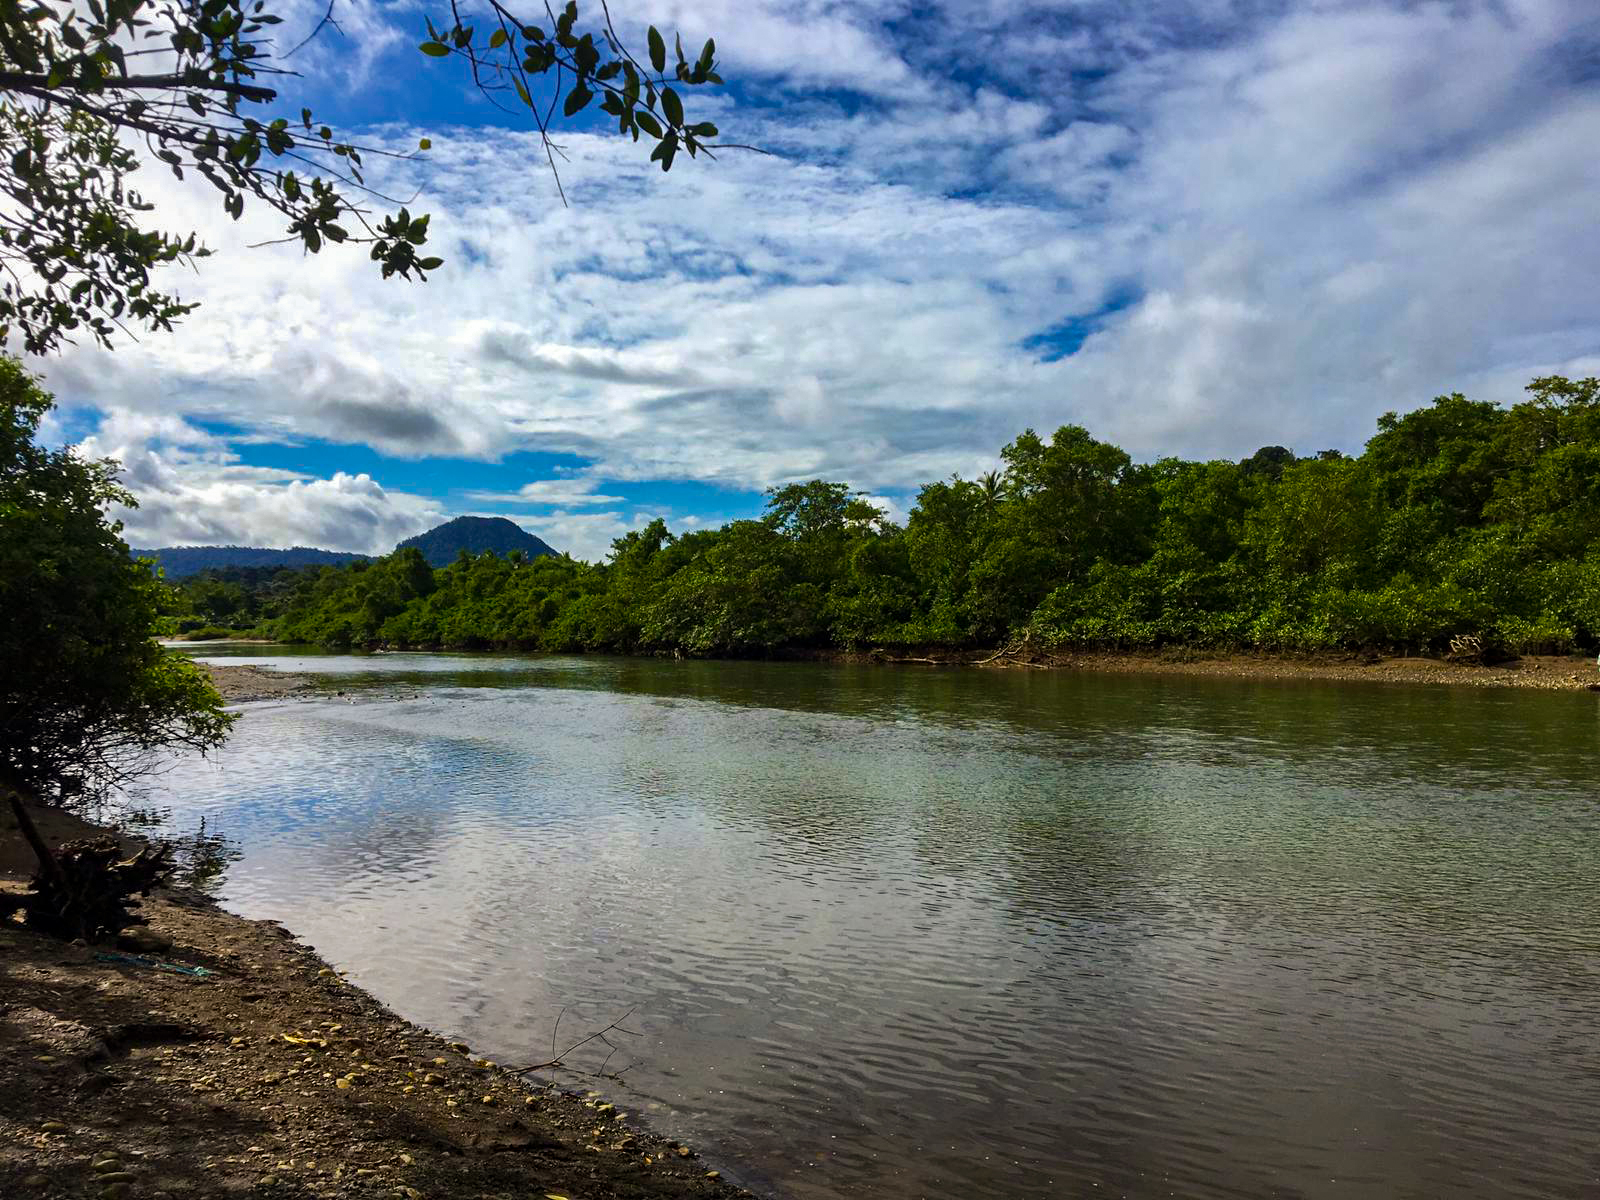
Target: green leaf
(576, 99)
(523, 92)
(434, 49)
(707, 55)
(497, 39)
(658, 50)
(430, 264)
(425, 144)
(671, 106)
(646, 122)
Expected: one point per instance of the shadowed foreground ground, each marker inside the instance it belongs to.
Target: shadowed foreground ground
(271, 1077)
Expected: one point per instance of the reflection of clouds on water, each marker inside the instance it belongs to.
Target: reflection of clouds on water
(925, 917)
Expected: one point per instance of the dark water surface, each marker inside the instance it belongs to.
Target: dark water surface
(905, 933)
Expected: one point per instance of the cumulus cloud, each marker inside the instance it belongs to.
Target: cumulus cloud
(192, 490)
(1194, 227)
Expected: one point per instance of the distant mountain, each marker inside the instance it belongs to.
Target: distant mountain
(440, 545)
(178, 561)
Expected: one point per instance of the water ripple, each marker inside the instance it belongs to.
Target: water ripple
(935, 934)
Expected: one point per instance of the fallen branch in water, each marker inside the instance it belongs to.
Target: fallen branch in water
(557, 1062)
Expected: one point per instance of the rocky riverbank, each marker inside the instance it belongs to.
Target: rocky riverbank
(215, 1056)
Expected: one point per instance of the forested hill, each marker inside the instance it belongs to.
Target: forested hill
(179, 561)
(1460, 518)
(442, 544)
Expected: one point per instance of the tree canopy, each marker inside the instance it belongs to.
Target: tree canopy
(196, 83)
(86, 694)
(1459, 519)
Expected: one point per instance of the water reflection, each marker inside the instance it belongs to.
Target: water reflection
(907, 932)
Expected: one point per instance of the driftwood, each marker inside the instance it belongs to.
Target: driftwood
(88, 893)
(1021, 652)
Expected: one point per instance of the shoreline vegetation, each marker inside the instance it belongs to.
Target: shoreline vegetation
(1464, 529)
(270, 1075)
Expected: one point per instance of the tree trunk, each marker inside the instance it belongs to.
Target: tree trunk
(30, 832)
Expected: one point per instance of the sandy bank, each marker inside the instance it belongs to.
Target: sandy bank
(269, 1076)
(238, 684)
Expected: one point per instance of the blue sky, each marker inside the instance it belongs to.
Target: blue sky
(1194, 226)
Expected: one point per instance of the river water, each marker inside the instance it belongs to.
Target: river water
(931, 933)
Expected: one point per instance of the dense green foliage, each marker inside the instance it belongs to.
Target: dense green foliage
(85, 692)
(1461, 518)
(442, 544)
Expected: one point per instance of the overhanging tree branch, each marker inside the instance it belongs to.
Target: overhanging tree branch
(68, 99)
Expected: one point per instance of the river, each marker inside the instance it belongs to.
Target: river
(906, 932)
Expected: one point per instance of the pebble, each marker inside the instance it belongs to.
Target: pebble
(118, 1177)
(713, 1174)
(267, 1181)
(343, 1084)
(53, 1127)
(112, 1190)
(36, 1181)
(101, 1166)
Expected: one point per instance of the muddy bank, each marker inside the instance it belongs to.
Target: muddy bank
(222, 1058)
(1549, 672)
(239, 684)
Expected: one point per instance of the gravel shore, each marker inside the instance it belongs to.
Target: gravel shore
(215, 1056)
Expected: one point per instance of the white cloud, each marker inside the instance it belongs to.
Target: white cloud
(576, 491)
(192, 491)
(1321, 213)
